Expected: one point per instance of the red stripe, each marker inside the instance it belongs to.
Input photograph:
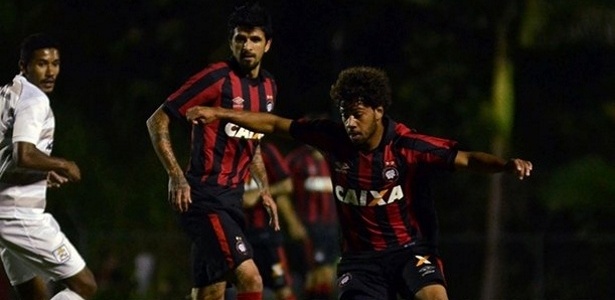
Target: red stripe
(397, 223)
(230, 145)
(223, 243)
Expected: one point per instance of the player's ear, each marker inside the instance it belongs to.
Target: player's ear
(268, 45)
(379, 111)
(22, 66)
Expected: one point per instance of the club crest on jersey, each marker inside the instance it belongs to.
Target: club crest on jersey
(61, 253)
(344, 279)
(238, 102)
(269, 102)
(236, 131)
(390, 174)
(240, 245)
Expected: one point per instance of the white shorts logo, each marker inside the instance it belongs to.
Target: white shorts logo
(61, 254)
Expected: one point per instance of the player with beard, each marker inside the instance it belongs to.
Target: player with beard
(208, 194)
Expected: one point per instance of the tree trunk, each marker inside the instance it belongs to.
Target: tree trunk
(502, 116)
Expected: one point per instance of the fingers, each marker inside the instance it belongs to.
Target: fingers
(55, 180)
(180, 199)
(523, 168)
(272, 210)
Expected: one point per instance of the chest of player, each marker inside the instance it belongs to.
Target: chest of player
(247, 94)
(368, 180)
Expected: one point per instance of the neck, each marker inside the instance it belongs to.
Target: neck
(375, 139)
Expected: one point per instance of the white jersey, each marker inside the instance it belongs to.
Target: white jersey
(25, 116)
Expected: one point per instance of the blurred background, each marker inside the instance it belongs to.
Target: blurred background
(530, 78)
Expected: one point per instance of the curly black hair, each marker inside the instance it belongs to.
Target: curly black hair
(368, 85)
(251, 14)
(35, 42)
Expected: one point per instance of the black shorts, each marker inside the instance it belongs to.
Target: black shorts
(270, 258)
(219, 244)
(388, 275)
(323, 247)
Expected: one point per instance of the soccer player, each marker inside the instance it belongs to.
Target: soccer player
(208, 194)
(314, 203)
(269, 253)
(374, 162)
(33, 248)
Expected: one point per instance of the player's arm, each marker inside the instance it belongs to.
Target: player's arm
(259, 174)
(179, 190)
(294, 226)
(489, 163)
(255, 121)
(30, 158)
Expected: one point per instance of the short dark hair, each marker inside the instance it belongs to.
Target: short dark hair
(368, 85)
(35, 42)
(250, 15)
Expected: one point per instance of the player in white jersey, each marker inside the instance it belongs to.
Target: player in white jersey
(32, 246)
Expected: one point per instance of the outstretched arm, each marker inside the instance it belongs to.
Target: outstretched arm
(255, 121)
(489, 163)
(179, 190)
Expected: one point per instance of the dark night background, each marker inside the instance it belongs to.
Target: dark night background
(121, 59)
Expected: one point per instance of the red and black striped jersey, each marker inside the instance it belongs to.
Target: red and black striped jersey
(257, 216)
(221, 152)
(312, 188)
(376, 191)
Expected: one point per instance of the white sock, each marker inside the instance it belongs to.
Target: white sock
(66, 294)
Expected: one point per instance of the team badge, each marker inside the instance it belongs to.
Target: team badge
(238, 102)
(269, 106)
(240, 245)
(390, 173)
(61, 253)
(344, 280)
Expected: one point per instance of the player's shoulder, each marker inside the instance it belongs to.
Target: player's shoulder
(266, 74)
(30, 92)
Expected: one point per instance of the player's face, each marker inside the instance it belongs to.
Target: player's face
(43, 69)
(248, 45)
(361, 123)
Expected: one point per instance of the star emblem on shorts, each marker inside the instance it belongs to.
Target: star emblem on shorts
(422, 260)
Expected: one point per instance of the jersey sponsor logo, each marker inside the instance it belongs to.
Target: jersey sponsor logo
(61, 253)
(368, 198)
(238, 102)
(235, 131)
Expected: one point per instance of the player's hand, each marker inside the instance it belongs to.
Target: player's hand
(71, 171)
(179, 193)
(202, 114)
(55, 180)
(519, 167)
(272, 210)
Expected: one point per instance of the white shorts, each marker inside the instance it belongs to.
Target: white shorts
(37, 247)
